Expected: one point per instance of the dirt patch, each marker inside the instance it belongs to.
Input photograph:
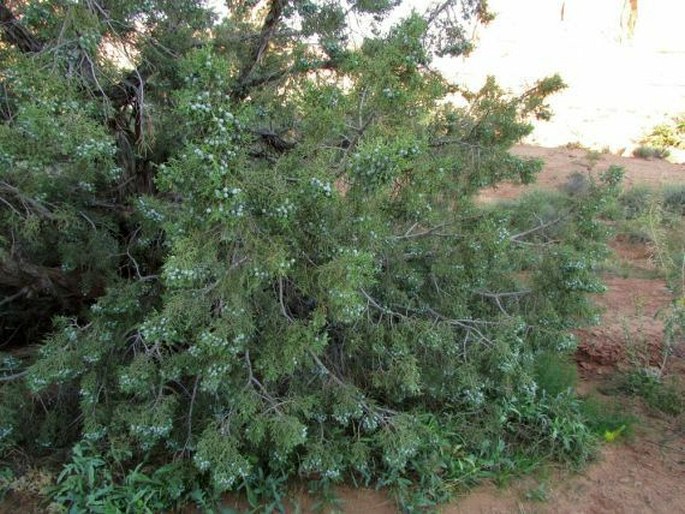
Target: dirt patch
(631, 329)
(645, 475)
(638, 257)
(561, 163)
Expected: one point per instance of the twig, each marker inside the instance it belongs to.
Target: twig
(498, 296)
(16, 376)
(262, 390)
(280, 299)
(318, 362)
(190, 411)
(10, 299)
(431, 231)
(542, 226)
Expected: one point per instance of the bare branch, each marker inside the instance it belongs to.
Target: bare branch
(409, 234)
(505, 294)
(271, 21)
(284, 310)
(16, 376)
(321, 365)
(497, 297)
(517, 237)
(27, 201)
(15, 33)
(9, 299)
(190, 412)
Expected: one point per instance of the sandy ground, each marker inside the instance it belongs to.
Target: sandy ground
(562, 162)
(619, 87)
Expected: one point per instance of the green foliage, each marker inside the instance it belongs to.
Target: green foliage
(6, 476)
(257, 256)
(674, 199)
(540, 493)
(603, 416)
(668, 135)
(554, 375)
(87, 484)
(664, 396)
(635, 201)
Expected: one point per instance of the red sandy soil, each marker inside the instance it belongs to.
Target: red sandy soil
(562, 162)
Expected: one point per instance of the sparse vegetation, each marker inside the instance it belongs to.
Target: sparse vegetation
(667, 135)
(674, 199)
(650, 152)
(659, 393)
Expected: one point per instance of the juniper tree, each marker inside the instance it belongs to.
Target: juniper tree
(251, 246)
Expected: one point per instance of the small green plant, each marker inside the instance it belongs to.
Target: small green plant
(577, 184)
(327, 499)
(593, 157)
(87, 484)
(650, 152)
(266, 492)
(659, 394)
(611, 435)
(6, 477)
(635, 201)
(606, 416)
(540, 493)
(553, 374)
(674, 199)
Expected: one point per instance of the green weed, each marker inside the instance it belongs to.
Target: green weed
(658, 393)
(555, 374)
(674, 199)
(670, 134)
(540, 493)
(635, 201)
(607, 416)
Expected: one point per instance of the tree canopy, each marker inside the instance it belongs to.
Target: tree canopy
(248, 249)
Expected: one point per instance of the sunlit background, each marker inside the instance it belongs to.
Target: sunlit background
(622, 82)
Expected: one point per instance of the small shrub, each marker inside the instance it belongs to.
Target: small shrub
(650, 152)
(674, 199)
(577, 184)
(635, 201)
(540, 493)
(575, 145)
(555, 374)
(593, 157)
(666, 135)
(604, 417)
(88, 484)
(6, 477)
(648, 384)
